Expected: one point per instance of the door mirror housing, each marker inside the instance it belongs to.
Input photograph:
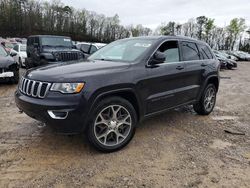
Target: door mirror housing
(157, 58)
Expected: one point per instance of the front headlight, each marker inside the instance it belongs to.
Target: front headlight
(67, 87)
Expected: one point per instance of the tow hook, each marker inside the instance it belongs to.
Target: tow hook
(41, 125)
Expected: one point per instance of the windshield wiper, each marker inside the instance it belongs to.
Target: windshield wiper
(46, 45)
(103, 59)
(63, 46)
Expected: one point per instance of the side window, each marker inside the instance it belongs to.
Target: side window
(205, 52)
(16, 48)
(93, 49)
(171, 51)
(190, 51)
(85, 48)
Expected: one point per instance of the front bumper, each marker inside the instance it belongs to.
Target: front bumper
(69, 111)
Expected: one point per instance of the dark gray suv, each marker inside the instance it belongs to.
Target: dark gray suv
(121, 84)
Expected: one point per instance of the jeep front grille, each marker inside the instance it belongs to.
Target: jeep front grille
(34, 88)
(68, 56)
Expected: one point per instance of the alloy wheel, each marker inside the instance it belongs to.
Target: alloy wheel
(209, 101)
(112, 125)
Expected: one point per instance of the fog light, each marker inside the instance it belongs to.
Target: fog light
(57, 114)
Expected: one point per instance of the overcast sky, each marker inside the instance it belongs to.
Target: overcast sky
(152, 13)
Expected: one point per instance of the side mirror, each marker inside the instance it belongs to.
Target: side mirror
(158, 58)
(12, 53)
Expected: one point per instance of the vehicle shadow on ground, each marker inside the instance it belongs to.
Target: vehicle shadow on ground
(79, 143)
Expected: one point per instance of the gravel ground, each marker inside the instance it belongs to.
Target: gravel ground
(175, 149)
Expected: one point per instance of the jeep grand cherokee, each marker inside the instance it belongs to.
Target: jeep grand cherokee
(119, 85)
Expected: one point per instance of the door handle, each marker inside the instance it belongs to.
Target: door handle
(179, 67)
(203, 64)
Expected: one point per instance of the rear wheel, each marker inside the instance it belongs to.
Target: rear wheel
(112, 124)
(207, 102)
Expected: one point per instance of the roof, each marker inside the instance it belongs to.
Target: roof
(49, 36)
(165, 37)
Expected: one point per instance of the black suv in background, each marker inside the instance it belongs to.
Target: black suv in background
(121, 84)
(44, 49)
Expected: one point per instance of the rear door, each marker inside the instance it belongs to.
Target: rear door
(195, 68)
(166, 81)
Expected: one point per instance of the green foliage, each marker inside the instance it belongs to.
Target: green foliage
(167, 29)
(21, 18)
(201, 21)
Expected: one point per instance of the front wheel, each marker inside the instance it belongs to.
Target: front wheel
(112, 124)
(207, 101)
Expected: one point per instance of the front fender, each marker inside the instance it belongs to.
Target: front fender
(121, 91)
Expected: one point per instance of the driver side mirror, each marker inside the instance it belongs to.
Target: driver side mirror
(157, 58)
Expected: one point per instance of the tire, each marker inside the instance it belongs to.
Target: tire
(230, 67)
(112, 134)
(15, 79)
(28, 63)
(202, 107)
(43, 62)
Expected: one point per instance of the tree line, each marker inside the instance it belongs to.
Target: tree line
(28, 17)
(21, 18)
(204, 28)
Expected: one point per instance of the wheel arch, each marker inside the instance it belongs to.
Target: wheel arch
(126, 93)
(214, 79)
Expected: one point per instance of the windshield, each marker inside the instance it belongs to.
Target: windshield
(9, 45)
(56, 41)
(122, 50)
(2, 51)
(23, 48)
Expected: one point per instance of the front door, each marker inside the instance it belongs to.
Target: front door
(166, 81)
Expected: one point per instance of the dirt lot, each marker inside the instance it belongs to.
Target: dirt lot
(175, 149)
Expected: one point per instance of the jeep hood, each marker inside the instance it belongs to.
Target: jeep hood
(74, 71)
(58, 49)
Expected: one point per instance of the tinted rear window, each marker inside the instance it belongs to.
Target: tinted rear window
(205, 52)
(85, 48)
(190, 51)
